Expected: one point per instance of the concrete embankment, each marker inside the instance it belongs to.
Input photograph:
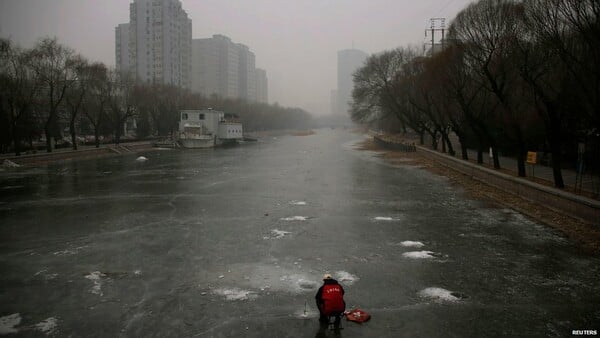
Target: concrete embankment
(576, 206)
(83, 153)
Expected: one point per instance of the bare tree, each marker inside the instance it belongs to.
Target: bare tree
(20, 87)
(54, 65)
(76, 96)
(121, 101)
(377, 86)
(488, 31)
(99, 91)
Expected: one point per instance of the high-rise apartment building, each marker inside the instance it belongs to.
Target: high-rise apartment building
(261, 85)
(246, 78)
(224, 68)
(215, 66)
(349, 60)
(122, 48)
(160, 39)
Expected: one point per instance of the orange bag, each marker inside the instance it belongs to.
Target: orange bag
(357, 315)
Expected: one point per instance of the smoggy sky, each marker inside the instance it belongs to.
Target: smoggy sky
(296, 41)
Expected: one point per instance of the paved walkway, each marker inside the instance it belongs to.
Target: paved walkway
(585, 182)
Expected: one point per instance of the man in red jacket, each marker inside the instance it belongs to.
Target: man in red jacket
(330, 300)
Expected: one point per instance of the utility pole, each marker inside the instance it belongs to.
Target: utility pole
(436, 24)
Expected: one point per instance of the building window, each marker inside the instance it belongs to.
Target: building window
(201, 117)
(184, 116)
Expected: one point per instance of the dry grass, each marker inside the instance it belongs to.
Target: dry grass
(586, 235)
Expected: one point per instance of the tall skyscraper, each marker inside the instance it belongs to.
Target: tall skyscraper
(349, 60)
(261, 85)
(160, 38)
(122, 48)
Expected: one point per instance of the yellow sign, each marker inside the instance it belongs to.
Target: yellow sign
(531, 157)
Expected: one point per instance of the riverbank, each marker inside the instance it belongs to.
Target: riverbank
(586, 235)
(83, 153)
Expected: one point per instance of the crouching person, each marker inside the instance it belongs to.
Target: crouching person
(330, 300)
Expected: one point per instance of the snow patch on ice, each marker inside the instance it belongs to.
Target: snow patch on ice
(294, 218)
(235, 294)
(96, 277)
(299, 283)
(297, 203)
(385, 219)
(48, 325)
(419, 254)
(345, 277)
(141, 159)
(10, 164)
(68, 252)
(8, 323)
(412, 244)
(279, 233)
(438, 294)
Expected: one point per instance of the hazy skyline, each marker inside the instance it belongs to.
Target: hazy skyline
(295, 41)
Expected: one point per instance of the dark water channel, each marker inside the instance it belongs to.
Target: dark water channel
(233, 243)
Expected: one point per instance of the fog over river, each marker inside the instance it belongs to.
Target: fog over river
(233, 242)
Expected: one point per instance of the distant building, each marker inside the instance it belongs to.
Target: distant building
(122, 48)
(349, 60)
(246, 77)
(224, 68)
(159, 46)
(261, 85)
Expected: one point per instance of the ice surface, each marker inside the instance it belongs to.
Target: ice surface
(96, 277)
(345, 277)
(295, 218)
(418, 254)
(297, 203)
(412, 244)
(48, 325)
(234, 294)
(438, 294)
(142, 159)
(8, 323)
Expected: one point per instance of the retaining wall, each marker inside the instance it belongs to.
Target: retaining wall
(573, 205)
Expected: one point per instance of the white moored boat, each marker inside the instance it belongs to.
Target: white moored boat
(208, 128)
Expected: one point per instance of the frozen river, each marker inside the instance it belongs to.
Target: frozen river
(233, 243)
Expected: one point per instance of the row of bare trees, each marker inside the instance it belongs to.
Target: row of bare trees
(47, 87)
(513, 76)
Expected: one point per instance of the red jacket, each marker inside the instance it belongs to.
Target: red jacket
(330, 298)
